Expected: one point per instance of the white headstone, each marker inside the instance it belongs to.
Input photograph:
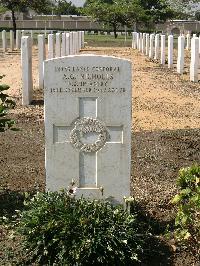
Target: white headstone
(11, 40)
(50, 46)
(138, 40)
(82, 39)
(67, 43)
(4, 41)
(134, 40)
(157, 46)
(18, 39)
(26, 62)
(41, 58)
(195, 62)
(151, 48)
(79, 40)
(162, 48)
(180, 59)
(32, 34)
(143, 42)
(74, 43)
(199, 44)
(71, 43)
(88, 125)
(188, 41)
(63, 47)
(147, 44)
(58, 45)
(170, 50)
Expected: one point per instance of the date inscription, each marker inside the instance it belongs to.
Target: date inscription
(85, 79)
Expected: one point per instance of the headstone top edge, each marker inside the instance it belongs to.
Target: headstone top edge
(89, 56)
(25, 37)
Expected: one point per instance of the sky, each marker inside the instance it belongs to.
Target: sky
(78, 2)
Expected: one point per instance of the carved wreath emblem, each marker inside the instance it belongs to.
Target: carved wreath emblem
(87, 125)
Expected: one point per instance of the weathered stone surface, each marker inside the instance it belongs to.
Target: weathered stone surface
(88, 125)
(26, 62)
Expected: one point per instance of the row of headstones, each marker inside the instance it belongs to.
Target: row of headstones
(153, 45)
(106, 33)
(9, 38)
(13, 44)
(70, 44)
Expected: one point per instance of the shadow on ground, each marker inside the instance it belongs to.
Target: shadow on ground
(10, 202)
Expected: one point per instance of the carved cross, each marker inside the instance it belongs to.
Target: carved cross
(88, 161)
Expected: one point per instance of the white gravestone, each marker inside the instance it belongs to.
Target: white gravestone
(67, 43)
(134, 40)
(194, 64)
(63, 46)
(199, 43)
(188, 38)
(147, 44)
(50, 46)
(26, 63)
(138, 40)
(180, 59)
(82, 39)
(18, 39)
(58, 45)
(11, 40)
(4, 41)
(157, 46)
(170, 50)
(151, 48)
(143, 42)
(41, 58)
(88, 125)
(162, 48)
(79, 40)
(76, 42)
(71, 43)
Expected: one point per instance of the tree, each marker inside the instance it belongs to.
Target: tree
(22, 5)
(128, 12)
(64, 7)
(183, 8)
(197, 15)
(114, 12)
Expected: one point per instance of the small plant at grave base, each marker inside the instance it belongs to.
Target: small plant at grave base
(187, 222)
(60, 230)
(5, 105)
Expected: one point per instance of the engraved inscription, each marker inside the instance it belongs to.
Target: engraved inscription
(94, 79)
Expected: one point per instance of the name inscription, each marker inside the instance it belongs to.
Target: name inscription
(86, 79)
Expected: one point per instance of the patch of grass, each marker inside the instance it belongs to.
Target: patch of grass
(107, 41)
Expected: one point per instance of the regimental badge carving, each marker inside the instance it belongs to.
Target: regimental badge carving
(87, 125)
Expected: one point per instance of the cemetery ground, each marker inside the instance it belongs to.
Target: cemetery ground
(165, 138)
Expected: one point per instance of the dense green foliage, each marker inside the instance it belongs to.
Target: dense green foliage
(64, 7)
(5, 105)
(187, 221)
(41, 6)
(127, 12)
(60, 230)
